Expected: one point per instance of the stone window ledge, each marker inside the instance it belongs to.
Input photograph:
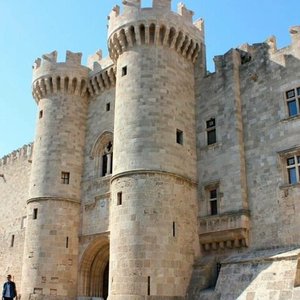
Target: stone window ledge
(290, 119)
(289, 186)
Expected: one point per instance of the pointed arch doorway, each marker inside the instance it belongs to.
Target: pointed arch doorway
(94, 270)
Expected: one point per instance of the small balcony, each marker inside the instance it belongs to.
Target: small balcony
(227, 230)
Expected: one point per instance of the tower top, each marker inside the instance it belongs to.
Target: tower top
(132, 11)
(48, 64)
(50, 76)
(157, 25)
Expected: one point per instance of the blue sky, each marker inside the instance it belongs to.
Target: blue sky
(30, 28)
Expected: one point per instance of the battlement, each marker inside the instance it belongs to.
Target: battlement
(133, 8)
(157, 25)
(251, 53)
(23, 152)
(50, 76)
(50, 59)
(102, 80)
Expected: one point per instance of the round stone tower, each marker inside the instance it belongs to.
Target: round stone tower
(53, 209)
(153, 214)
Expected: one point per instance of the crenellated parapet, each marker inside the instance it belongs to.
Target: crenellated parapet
(157, 26)
(50, 76)
(267, 50)
(102, 80)
(24, 152)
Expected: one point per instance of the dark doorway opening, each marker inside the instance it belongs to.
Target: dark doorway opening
(105, 281)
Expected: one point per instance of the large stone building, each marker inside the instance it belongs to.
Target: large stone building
(151, 178)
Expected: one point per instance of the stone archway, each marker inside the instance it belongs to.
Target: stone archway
(93, 271)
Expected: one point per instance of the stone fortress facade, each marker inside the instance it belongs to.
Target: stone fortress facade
(151, 178)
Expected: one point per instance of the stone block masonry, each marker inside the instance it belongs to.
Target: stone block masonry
(151, 178)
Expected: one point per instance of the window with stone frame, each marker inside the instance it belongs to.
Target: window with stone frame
(65, 177)
(290, 163)
(107, 160)
(211, 131)
(292, 98)
(102, 154)
(212, 196)
(293, 168)
(213, 202)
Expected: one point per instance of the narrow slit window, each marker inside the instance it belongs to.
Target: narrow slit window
(23, 220)
(179, 137)
(119, 198)
(124, 71)
(211, 131)
(35, 213)
(108, 106)
(65, 177)
(40, 114)
(149, 286)
(174, 229)
(104, 165)
(12, 240)
(67, 242)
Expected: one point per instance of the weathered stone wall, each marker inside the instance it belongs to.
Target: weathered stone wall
(153, 244)
(51, 250)
(95, 199)
(153, 188)
(14, 184)
(50, 261)
(248, 164)
(266, 274)
(156, 99)
(269, 136)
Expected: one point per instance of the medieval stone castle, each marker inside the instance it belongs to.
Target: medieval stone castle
(151, 178)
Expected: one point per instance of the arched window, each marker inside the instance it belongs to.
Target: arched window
(107, 159)
(102, 154)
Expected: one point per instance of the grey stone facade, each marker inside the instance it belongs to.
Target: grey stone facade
(151, 178)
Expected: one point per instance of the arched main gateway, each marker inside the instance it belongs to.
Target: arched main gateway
(94, 267)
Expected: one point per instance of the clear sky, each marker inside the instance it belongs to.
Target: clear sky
(30, 28)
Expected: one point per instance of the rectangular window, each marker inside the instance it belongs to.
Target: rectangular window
(213, 201)
(23, 222)
(12, 240)
(35, 213)
(293, 101)
(211, 131)
(149, 286)
(179, 137)
(293, 169)
(104, 165)
(40, 114)
(107, 106)
(119, 198)
(67, 242)
(124, 71)
(65, 177)
(174, 229)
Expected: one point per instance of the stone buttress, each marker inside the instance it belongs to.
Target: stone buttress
(53, 208)
(153, 214)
